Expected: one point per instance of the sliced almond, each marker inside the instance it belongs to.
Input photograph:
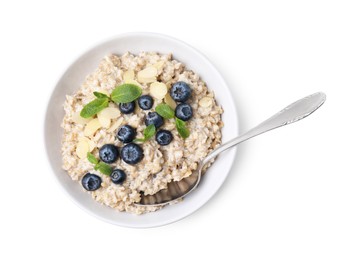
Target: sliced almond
(106, 115)
(76, 118)
(115, 125)
(168, 100)
(96, 137)
(104, 121)
(159, 65)
(82, 149)
(147, 75)
(91, 143)
(146, 80)
(129, 75)
(158, 90)
(92, 127)
(110, 112)
(205, 102)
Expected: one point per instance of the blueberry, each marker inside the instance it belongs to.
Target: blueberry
(127, 108)
(163, 137)
(180, 91)
(145, 102)
(108, 153)
(132, 153)
(154, 118)
(126, 133)
(183, 111)
(91, 182)
(118, 176)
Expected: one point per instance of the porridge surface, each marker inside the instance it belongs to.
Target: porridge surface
(161, 164)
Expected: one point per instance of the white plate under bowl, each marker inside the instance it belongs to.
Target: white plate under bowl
(87, 63)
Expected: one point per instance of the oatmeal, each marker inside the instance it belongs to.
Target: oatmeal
(119, 152)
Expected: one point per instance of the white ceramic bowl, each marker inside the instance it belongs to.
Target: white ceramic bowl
(73, 78)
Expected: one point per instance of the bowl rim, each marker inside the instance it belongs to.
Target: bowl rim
(83, 53)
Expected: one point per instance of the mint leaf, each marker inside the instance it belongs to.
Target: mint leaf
(139, 140)
(165, 111)
(91, 158)
(126, 93)
(100, 95)
(103, 168)
(99, 166)
(181, 128)
(94, 107)
(149, 131)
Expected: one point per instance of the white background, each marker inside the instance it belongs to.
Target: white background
(292, 193)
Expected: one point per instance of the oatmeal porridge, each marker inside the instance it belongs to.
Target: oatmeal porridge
(137, 123)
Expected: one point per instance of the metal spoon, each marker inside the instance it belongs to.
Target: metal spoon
(292, 113)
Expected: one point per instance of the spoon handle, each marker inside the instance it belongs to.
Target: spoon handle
(292, 113)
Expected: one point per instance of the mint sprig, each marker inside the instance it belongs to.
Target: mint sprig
(181, 128)
(99, 166)
(94, 107)
(122, 94)
(103, 168)
(100, 95)
(126, 93)
(91, 158)
(165, 111)
(149, 132)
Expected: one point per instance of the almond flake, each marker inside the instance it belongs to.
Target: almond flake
(147, 75)
(106, 115)
(158, 90)
(82, 149)
(159, 65)
(110, 112)
(128, 75)
(168, 100)
(115, 125)
(205, 102)
(92, 127)
(91, 143)
(104, 121)
(76, 118)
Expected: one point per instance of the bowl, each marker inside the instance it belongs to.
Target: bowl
(71, 80)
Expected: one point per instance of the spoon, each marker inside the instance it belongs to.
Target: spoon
(178, 189)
